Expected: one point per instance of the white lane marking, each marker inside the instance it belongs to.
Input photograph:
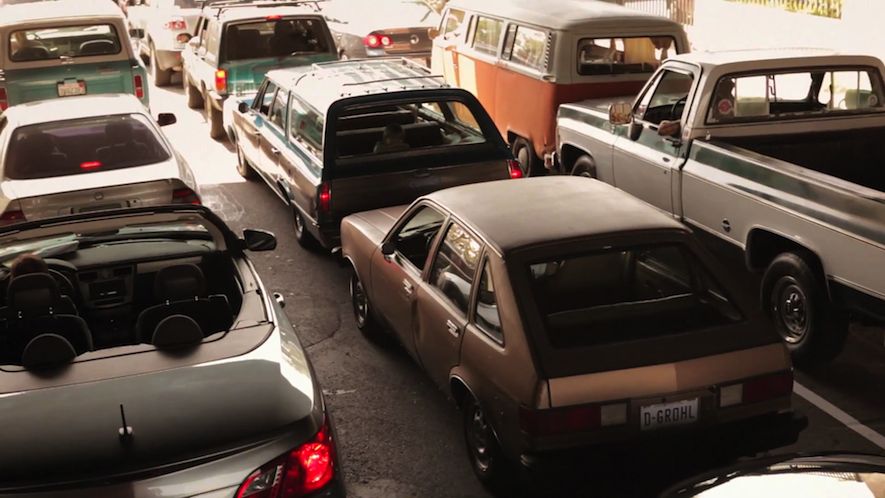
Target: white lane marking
(835, 412)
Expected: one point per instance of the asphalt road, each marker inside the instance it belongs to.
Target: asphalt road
(399, 436)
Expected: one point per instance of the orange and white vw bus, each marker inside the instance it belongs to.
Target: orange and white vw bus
(523, 58)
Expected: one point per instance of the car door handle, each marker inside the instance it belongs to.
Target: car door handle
(666, 159)
(453, 329)
(255, 132)
(275, 151)
(407, 287)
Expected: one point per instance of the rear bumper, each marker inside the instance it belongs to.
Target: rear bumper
(168, 59)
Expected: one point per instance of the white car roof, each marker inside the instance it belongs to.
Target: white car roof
(35, 12)
(62, 109)
(729, 61)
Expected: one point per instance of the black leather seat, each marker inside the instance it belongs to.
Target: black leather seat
(182, 291)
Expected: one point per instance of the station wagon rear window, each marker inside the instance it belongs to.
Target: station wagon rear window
(275, 38)
(796, 94)
(642, 54)
(62, 42)
(621, 295)
(82, 146)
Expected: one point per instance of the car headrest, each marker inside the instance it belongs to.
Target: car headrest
(47, 350)
(33, 293)
(175, 283)
(177, 331)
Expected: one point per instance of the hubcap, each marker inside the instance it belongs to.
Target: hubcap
(299, 224)
(791, 306)
(522, 156)
(360, 302)
(478, 438)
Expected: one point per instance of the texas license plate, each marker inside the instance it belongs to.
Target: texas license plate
(71, 88)
(668, 414)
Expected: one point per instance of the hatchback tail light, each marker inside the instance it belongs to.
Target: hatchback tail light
(571, 419)
(12, 214)
(324, 198)
(300, 472)
(759, 389)
(4, 99)
(377, 40)
(176, 24)
(514, 168)
(138, 83)
(185, 195)
(220, 81)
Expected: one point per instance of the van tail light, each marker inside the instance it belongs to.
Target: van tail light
(220, 81)
(12, 215)
(176, 24)
(300, 472)
(759, 389)
(514, 168)
(138, 83)
(377, 40)
(90, 165)
(185, 195)
(324, 198)
(4, 99)
(571, 419)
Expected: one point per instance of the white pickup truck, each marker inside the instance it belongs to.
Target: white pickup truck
(780, 153)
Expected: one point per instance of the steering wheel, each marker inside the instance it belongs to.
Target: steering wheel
(63, 272)
(675, 105)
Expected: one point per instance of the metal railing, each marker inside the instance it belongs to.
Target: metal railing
(824, 8)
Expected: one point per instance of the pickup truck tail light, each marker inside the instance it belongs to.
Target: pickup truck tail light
(185, 195)
(514, 168)
(571, 419)
(755, 390)
(13, 214)
(324, 198)
(220, 81)
(4, 99)
(138, 84)
(377, 40)
(300, 472)
(176, 24)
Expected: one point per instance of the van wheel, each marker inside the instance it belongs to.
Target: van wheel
(584, 167)
(302, 235)
(794, 296)
(161, 77)
(213, 118)
(525, 154)
(362, 310)
(487, 460)
(194, 97)
(243, 167)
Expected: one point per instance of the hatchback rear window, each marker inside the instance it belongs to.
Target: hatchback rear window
(62, 42)
(82, 146)
(621, 295)
(275, 38)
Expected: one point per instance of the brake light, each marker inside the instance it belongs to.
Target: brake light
(220, 81)
(372, 41)
(324, 198)
(4, 99)
(275, 17)
(765, 388)
(176, 24)
(90, 165)
(13, 214)
(185, 195)
(138, 83)
(300, 472)
(514, 168)
(385, 40)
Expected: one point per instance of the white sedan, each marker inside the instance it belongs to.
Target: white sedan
(78, 154)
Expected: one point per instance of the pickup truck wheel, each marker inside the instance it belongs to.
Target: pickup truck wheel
(194, 97)
(302, 235)
(213, 118)
(161, 77)
(362, 310)
(796, 300)
(487, 460)
(243, 167)
(525, 154)
(584, 167)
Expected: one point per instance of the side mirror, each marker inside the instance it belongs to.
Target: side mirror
(388, 248)
(635, 130)
(243, 107)
(166, 119)
(620, 113)
(259, 240)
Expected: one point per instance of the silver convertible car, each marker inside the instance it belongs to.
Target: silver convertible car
(147, 359)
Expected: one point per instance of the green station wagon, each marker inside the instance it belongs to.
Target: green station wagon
(66, 48)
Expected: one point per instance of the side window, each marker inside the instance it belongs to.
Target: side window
(488, 34)
(453, 24)
(414, 238)
(264, 100)
(204, 32)
(666, 101)
(530, 48)
(278, 109)
(305, 125)
(486, 315)
(213, 42)
(455, 266)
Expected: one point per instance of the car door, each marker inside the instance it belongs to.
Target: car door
(445, 45)
(395, 278)
(272, 136)
(249, 138)
(645, 163)
(300, 164)
(444, 301)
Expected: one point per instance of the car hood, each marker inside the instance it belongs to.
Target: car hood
(177, 416)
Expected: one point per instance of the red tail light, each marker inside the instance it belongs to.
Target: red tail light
(11, 215)
(302, 471)
(177, 24)
(385, 40)
(559, 420)
(324, 198)
(185, 196)
(768, 387)
(220, 81)
(4, 99)
(373, 41)
(90, 165)
(275, 17)
(514, 168)
(138, 83)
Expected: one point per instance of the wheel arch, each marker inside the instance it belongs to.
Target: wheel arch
(764, 245)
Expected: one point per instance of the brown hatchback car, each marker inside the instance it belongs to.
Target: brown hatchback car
(557, 333)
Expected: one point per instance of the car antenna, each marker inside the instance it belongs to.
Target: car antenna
(125, 432)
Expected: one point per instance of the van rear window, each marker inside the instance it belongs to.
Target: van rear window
(275, 38)
(627, 294)
(82, 146)
(642, 54)
(63, 42)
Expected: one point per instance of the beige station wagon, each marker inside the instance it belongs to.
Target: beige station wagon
(558, 332)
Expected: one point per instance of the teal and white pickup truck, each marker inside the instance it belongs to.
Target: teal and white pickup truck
(780, 153)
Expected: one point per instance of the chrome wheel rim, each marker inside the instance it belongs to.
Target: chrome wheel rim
(360, 301)
(479, 439)
(791, 308)
(241, 161)
(299, 225)
(522, 157)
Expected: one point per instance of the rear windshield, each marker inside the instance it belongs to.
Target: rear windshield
(275, 38)
(399, 129)
(641, 54)
(61, 42)
(82, 146)
(621, 295)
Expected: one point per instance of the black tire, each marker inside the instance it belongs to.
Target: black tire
(213, 118)
(243, 167)
(491, 467)
(795, 299)
(362, 311)
(525, 155)
(302, 235)
(584, 167)
(161, 77)
(194, 97)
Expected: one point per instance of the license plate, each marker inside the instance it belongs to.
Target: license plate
(668, 414)
(71, 88)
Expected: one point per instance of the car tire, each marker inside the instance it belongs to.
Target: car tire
(584, 167)
(491, 467)
(243, 167)
(362, 310)
(161, 77)
(194, 97)
(794, 296)
(525, 155)
(302, 234)
(213, 118)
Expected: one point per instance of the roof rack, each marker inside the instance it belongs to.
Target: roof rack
(223, 5)
(332, 68)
